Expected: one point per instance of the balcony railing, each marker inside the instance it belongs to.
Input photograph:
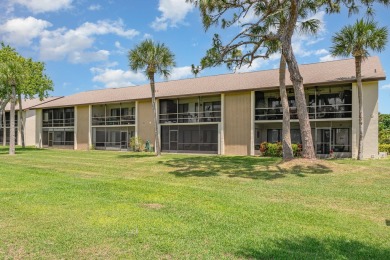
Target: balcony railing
(315, 112)
(113, 120)
(58, 122)
(191, 117)
(8, 123)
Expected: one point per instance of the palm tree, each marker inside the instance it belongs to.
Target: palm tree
(152, 58)
(356, 40)
(196, 70)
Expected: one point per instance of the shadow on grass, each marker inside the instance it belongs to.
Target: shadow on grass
(238, 166)
(130, 155)
(312, 248)
(20, 150)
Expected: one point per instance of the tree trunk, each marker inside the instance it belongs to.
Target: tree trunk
(155, 115)
(286, 133)
(12, 122)
(297, 80)
(21, 119)
(358, 67)
(300, 100)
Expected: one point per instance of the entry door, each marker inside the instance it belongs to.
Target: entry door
(323, 138)
(50, 139)
(173, 138)
(124, 141)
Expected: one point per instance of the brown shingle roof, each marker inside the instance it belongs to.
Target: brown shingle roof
(332, 72)
(30, 103)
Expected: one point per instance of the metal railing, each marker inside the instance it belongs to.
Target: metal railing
(191, 117)
(315, 112)
(58, 122)
(8, 123)
(62, 142)
(113, 120)
(109, 145)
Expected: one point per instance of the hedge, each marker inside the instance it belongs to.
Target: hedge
(384, 148)
(276, 149)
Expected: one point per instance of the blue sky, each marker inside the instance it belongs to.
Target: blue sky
(85, 43)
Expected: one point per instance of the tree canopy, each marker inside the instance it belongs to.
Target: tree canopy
(28, 76)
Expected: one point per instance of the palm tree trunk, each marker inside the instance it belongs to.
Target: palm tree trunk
(21, 119)
(358, 67)
(286, 133)
(155, 115)
(12, 122)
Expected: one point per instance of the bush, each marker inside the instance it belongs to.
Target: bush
(384, 148)
(137, 144)
(297, 150)
(276, 149)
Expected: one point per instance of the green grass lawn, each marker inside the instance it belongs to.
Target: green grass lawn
(87, 205)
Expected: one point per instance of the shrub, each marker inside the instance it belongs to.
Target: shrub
(263, 148)
(384, 148)
(276, 149)
(297, 150)
(137, 144)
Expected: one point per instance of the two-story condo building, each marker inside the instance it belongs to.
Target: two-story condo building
(29, 121)
(223, 114)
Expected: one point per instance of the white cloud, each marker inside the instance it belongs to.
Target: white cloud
(76, 44)
(256, 65)
(173, 13)
(94, 7)
(147, 36)
(115, 78)
(84, 57)
(119, 49)
(21, 31)
(328, 57)
(180, 73)
(42, 6)
(387, 86)
(321, 52)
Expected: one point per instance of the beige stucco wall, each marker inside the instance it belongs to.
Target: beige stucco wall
(82, 129)
(30, 127)
(370, 120)
(38, 130)
(237, 122)
(144, 117)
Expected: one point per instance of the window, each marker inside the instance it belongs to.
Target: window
(58, 117)
(296, 136)
(274, 135)
(124, 111)
(115, 111)
(190, 138)
(183, 108)
(274, 103)
(340, 140)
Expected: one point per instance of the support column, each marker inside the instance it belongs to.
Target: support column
(252, 144)
(222, 125)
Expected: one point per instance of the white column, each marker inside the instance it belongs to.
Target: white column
(136, 119)
(75, 128)
(38, 133)
(90, 127)
(355, 121)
